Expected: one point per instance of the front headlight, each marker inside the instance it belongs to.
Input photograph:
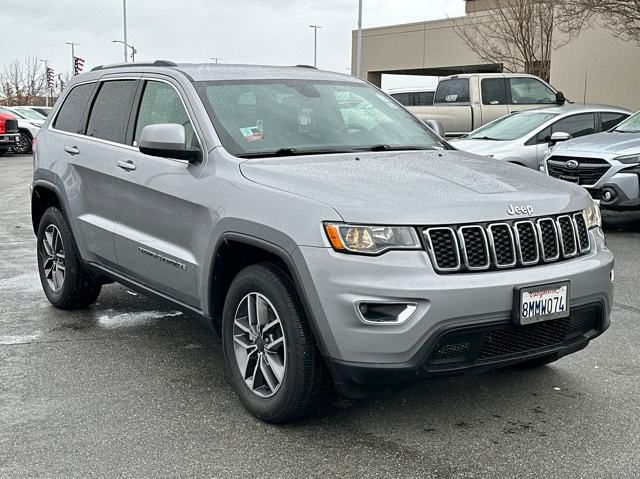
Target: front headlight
(593, 216)
(629, 159)
(371, 239)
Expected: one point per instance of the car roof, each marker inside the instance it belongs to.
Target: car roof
(220, 71)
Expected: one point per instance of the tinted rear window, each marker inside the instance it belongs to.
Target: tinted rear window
(111, 109)
(453, 91)
(72, 110)
(494, 91)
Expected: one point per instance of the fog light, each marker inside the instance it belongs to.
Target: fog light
(385, 313)
(607, 195)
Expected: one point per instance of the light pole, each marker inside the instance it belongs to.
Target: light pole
(46, 68)
(124, 20)
(359, 47)
(126, 45)
(315, 44)
(73, 57)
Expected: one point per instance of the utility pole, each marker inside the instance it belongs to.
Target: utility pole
(46, 66)
(73, 57)
(315, 44)
(124, 18)
(359, 46)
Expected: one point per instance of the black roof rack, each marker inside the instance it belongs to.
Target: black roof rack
(157, 63)
(307, 66)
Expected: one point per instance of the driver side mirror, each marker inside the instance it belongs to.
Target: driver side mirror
(560, 98)
(167, 140)
(435, 126)
(559, 137)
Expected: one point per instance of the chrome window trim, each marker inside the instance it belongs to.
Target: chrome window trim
(463, 247)
(493, 246)
(541, 241)
(432, 255)
(536, 241)
(566, 254)
(586, 248)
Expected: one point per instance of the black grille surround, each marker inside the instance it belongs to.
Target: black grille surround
(471, 248)
(587, 173)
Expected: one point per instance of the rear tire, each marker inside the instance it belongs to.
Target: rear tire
(24, 144)
(65, 283)
(272, 360)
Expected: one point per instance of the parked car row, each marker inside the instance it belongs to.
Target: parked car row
(29, 120)
(594, 146)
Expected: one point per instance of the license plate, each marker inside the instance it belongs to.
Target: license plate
(571, 179)
(542, 303)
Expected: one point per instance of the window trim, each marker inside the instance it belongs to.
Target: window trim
(135, 112)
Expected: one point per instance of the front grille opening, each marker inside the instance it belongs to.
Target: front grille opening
(581, 231)
(503, 245)
(475, 247)
(549, 239)
(528, 242)
(444, 248)
(569, 247)
(588, 172)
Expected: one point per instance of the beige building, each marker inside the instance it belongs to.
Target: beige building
(595, 65)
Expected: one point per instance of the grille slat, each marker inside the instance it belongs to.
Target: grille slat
(508, 244)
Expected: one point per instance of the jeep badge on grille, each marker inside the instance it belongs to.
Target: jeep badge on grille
(520, 210)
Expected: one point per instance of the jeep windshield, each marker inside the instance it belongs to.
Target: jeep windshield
(511, 127)
(257, 118)
(630, 125)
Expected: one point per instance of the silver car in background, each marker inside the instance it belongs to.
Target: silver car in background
(523, 138)
(606, 164)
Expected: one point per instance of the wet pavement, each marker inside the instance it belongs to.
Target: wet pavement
(132, 387)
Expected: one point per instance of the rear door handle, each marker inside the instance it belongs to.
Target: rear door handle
(72, 150)
(126, 165)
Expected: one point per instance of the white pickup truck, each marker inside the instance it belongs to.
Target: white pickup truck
(463, 103)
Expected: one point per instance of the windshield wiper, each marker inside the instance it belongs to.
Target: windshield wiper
(384, 147)
(290, 152)
(485, 138)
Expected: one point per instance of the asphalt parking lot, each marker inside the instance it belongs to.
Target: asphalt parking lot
(130, 387)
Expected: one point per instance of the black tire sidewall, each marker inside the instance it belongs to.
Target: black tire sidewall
(283, 298)
(29, 144)
(53, 216)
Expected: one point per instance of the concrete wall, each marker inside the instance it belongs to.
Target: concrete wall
(612, 66)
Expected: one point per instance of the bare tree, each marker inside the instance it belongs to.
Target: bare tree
(23, 82)
(522, 34)
(622, 17)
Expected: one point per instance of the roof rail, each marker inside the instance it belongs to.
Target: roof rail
(157, 63)
(307, 66)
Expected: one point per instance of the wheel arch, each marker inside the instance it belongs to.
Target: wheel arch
(44, 195)
(236, 250)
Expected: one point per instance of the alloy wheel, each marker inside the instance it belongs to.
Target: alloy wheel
(259, 345)
(53, 258)
(22, 145)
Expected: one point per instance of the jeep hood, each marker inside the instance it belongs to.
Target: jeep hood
(423, 187)
(607, 143)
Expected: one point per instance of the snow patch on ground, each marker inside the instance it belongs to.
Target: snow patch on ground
(20, 338)
(128, 319)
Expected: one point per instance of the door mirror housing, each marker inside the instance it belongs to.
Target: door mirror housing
(435, 126)
(559, 137)
(560, 98)
(167, 140)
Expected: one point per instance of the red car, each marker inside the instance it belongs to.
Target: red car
(8, 132)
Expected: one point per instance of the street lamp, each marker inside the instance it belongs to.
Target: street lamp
(73, 56)
(315, 44)
(124, 22)
(126, 45)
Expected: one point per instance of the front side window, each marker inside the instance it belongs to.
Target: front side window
(265, 117)
(576, 125)
(453, 91)
(72, 110)
(529, 91)
(161, 103)
(494, 91)
(511, 127)
(110, 113)
(609, 120)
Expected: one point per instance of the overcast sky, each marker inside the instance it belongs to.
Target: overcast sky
(237, 31)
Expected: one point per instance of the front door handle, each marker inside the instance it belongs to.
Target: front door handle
(126, 165)
(72, 150)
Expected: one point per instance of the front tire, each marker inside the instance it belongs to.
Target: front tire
(65, 283)
(24, 144)
(271, 357)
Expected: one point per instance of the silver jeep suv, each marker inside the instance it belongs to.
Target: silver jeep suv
(329, 236)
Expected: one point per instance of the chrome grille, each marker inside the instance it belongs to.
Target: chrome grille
(507, 244)
(588, 172)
